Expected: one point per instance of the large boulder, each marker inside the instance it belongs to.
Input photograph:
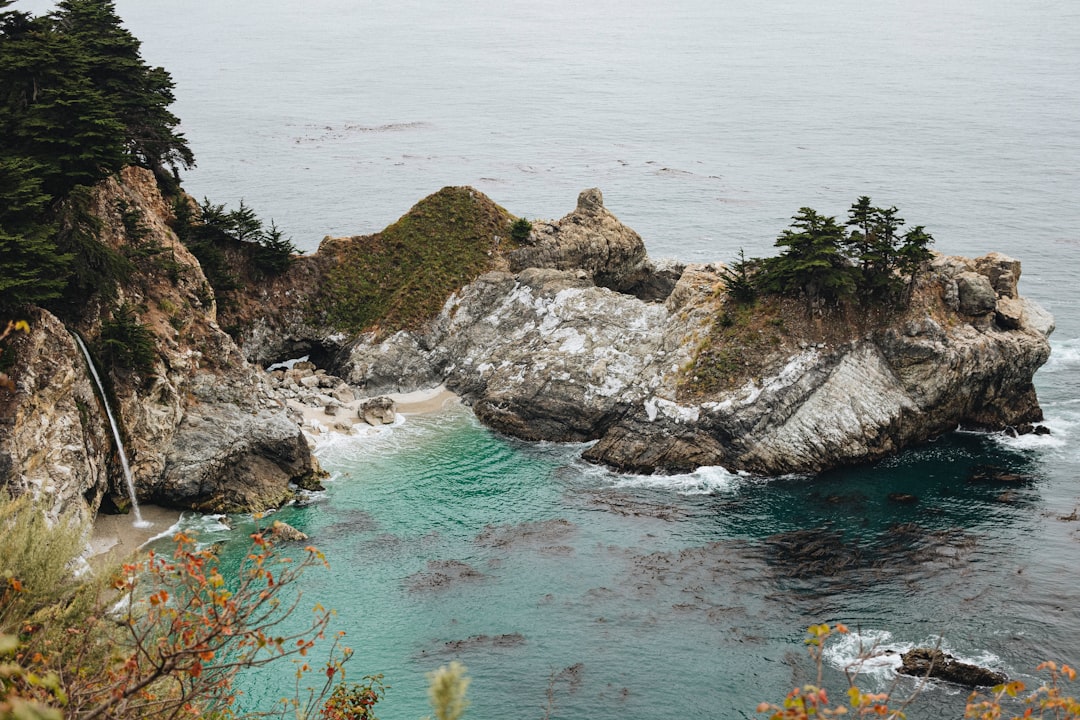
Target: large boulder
(931, 662)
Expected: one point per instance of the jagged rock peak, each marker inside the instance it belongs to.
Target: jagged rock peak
(590, 201)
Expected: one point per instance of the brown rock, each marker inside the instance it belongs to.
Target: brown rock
(931, 662)
(378, 411)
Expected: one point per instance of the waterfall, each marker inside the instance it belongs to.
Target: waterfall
(139, 522)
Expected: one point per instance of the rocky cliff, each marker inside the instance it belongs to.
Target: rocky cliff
(570, 334)
(563, 347)
(202, 427)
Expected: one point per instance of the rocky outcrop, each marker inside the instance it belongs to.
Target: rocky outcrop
(591, 239)
(54, 437)
(202, 428)
(547, 353)
(378, 411)
(931, 662)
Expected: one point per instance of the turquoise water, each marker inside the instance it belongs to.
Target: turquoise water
(678, 594)
(706, 125)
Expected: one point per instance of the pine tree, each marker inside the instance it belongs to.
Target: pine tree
(33, 271)
(275, 251)
(813, 263)
(138, 95)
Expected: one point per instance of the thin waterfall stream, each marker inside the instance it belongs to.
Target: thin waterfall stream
(139, 522)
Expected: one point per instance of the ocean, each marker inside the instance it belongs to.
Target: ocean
(570, 591)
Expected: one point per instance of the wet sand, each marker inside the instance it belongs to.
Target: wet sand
(115, 538)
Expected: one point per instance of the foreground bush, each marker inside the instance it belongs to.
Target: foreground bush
(812, 700)
(166, 637)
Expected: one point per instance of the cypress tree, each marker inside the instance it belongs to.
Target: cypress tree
(813, 263)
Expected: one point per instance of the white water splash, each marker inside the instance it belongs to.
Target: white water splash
(703, 481)
(1063, 356)
(139, 522)
(1062, 419)
(876, 653)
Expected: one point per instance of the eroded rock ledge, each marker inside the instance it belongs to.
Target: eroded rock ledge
(202, 427)
(568, 352)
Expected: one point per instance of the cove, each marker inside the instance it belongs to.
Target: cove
(683, 595)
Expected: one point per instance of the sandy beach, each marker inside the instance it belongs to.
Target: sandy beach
(115, 537)
(318, 422)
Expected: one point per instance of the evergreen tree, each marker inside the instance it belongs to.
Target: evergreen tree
(913, 254)
(76, 104)
(33, 270)
(274, 253)
(138, 95)
(813, 263)
(739, 282)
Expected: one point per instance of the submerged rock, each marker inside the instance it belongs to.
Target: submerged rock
(931, 662)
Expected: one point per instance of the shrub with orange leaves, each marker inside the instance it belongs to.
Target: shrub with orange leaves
(1046, 702)
(812, 701)
(174, 643)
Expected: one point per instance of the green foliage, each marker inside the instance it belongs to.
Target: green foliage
(77, 103)
(33, 269)
(96, 267)
(813, 263)
(222, 239)
(520, 229)
(35, 559)
(274, 252)
(822, 262)
(739, 282)
(127, 343)
(402, 276)
(77, 98)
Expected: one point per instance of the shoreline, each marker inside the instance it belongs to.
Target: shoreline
(113, 538)
(346, 421)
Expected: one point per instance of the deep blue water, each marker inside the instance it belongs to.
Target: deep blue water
(707, 125)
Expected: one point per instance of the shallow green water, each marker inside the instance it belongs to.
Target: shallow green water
(685, 595)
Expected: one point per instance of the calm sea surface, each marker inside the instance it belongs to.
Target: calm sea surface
(707, 125)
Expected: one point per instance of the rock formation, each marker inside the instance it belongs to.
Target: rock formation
(203, 428)
(931, 662)
(547, 353)
(573, 334)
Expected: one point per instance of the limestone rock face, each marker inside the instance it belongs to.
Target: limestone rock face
(225, 460)
(202, 427)
(54, 436)
(976, 294)
(546, 354)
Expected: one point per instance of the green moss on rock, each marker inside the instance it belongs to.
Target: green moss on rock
(402, 276)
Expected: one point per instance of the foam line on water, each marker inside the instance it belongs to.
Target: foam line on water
(876, 653)
(703, 481)
(1063, 356)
